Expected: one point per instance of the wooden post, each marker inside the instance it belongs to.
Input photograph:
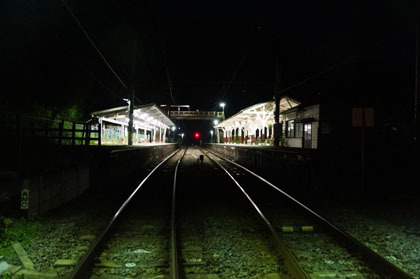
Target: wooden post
(83, 134)
(19, 146)
(73, 134)
(100, 134)
(87, 140)
(60, 131)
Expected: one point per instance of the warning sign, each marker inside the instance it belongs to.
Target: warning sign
(24, 199)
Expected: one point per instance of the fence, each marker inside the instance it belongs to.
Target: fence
(57, 131)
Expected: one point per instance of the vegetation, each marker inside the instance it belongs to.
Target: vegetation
(19, 230)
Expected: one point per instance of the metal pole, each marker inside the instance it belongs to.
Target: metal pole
(416, 88)
(131, 105)
(276, 125)
(363, 152)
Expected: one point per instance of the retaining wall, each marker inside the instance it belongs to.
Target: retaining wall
(97, 168)
(289, 168)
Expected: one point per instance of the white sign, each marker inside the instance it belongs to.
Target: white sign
(24, 199)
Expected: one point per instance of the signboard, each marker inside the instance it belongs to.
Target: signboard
(24, 199)
(360, 114)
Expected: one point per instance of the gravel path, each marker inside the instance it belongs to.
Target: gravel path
(66, 235)
(392, 230)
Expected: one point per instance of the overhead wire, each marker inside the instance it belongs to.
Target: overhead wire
(165, 57)
(71, 53)
(93, 43)
(167, 72)
(317, 74)
(226, 85)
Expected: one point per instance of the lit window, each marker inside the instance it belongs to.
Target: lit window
(308, 131)
(291, 129)
(299, 130)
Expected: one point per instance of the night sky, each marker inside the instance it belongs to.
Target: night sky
(49, 65)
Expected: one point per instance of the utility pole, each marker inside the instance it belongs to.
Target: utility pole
(131, 104)
(277, 125)
(416, 88)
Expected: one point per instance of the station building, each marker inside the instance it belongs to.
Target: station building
(150, 124)
(254, 125)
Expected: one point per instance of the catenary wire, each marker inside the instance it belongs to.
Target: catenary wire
(93, 43)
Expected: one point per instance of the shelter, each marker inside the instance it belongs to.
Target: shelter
(150, 124)
(254, 125)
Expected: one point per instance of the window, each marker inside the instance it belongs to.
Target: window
(291, 129)
(308, 131)
(299, 130)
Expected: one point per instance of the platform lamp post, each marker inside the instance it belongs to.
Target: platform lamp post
(277, 125)
(173, 128)
(223, 109)
(130, 120)
(131, 103)
(215, 122)
(211, 133)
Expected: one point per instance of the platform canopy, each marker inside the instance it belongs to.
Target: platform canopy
(145, 116)
(261, 113)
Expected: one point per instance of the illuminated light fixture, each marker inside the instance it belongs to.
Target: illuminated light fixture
(222, 105)
(211, 132)
(173, 128)
(197, 135)
(216, 122)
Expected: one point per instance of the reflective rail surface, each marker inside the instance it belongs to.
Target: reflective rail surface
(174, 265)
(291, 262)
(86, 261)
(381, 265)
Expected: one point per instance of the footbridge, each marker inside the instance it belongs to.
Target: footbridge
(196, 115)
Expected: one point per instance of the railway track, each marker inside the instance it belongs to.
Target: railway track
(185, 228)
(219, 233)
(321, 249)
(189, 221)
(137, 241)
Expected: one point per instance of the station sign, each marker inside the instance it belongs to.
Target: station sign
(24, 199)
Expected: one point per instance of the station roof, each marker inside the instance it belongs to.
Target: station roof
(148, 114)
(258, 113)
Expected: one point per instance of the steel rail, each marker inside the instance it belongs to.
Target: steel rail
(174, 265)
(290, 260)
(84, 263)
(386, 268)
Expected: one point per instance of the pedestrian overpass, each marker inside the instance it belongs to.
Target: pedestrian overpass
(196, 115)
(183, 112)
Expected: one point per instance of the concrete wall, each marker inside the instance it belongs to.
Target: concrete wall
(50, 190)
(293, 142)
(259, 158)
(101, 168)
(294, 168)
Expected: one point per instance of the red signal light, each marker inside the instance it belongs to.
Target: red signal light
(197, 135)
